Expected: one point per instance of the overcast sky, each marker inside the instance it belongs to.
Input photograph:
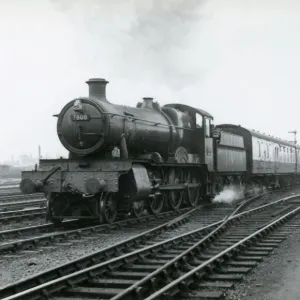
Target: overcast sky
(239, 60)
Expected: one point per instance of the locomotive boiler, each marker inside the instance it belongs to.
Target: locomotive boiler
(124, 159)
(94, 126)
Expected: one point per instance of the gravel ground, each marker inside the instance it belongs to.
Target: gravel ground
(277, 277)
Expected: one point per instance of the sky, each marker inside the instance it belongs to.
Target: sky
(237, 59)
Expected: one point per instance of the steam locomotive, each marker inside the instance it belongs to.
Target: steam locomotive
(131, 159)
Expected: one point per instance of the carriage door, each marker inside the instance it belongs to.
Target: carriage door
(276, 158)
(209, 158)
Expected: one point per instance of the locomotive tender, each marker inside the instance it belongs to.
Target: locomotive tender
(127, 159)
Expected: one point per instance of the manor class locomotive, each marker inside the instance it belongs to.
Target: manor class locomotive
(131, 159)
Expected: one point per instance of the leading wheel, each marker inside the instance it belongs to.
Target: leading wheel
(109, 207)
(156, 203)
(51, 211)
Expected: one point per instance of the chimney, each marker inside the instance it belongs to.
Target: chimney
(97, 88)
(147, 103)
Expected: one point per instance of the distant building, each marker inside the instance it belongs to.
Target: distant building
(5, 168)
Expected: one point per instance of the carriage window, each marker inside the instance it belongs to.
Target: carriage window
(267, 150)
(207, 127)
(294, 155)
(199, 121)
(259, 153)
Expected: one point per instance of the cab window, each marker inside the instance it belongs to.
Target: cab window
(199, 121)
(207, 127)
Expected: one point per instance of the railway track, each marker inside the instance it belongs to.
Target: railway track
(29, 242)
(230, 253)
(112, 251)
(19, 205)
(9, 191)
(18, 202)
(160, 268)
(11, 188)
(20, 215)
(4, 199)
(41, 236)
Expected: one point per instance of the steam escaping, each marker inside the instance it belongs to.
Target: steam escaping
(229, 194)
(153, 41)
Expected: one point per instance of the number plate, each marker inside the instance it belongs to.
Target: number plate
(82, 117)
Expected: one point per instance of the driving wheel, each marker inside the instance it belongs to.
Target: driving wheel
(193, 193)
(175, 197)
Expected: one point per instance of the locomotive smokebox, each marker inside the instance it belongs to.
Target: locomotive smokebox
(97, 88)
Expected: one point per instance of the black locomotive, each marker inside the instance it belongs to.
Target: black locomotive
(127, 160)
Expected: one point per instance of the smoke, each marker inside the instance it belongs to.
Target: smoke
(153, 41)
(229, 194)
(236, 192)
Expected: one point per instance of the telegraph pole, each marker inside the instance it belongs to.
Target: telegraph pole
(294, 132)
(39, 151)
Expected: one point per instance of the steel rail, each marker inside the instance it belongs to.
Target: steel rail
(20, 197)
(71, 279)
(10, 213)
(17, 232)
(29, 216)
(18, 215)
(22, 204)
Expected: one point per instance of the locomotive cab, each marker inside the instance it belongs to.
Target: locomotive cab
(197, 133)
